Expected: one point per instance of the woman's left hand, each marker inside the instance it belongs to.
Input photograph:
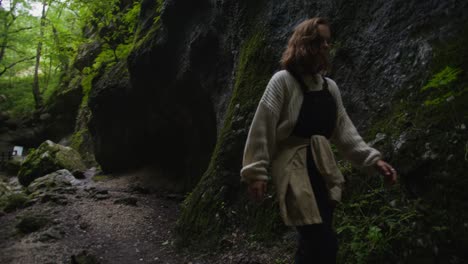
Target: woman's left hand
(389, 173)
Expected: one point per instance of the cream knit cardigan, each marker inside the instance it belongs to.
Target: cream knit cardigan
(270, 148)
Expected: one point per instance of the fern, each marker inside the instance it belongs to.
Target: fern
(443, 78)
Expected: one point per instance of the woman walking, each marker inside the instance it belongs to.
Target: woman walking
(300, 112)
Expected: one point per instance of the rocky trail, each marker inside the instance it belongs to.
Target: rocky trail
(102, 219)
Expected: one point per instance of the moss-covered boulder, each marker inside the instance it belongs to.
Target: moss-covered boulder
(49, 157)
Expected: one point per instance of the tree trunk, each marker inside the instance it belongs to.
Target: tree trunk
(35, 89)
(6, 28)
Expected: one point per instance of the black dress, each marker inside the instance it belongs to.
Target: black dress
(317, 242)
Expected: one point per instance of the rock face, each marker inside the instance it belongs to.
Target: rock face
(54, 121)
(155, 114)
(62, 111)
(184, 99)
(115, 124)
(49, 157)
(86, 55)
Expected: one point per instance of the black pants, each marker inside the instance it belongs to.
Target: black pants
(317, 243)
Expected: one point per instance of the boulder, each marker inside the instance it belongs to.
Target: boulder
(49, 157)
(55, 181)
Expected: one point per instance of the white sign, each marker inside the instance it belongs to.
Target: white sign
(18, 151)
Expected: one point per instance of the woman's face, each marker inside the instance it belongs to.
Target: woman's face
(324, 36)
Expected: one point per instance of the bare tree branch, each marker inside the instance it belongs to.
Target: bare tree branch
(19, 30)
(5, 68)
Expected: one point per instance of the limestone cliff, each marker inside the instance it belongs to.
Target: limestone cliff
(183, 100)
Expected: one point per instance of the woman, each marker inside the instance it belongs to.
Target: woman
(299, 114)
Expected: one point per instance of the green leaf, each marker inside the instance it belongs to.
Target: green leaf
(443, 78)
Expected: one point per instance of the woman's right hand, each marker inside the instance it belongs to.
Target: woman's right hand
(257, 190)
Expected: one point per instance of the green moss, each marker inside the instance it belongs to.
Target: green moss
(87, 83)
(98, 178)
(207, 214)
(35, 160)
(31, 223)
(377, 226)
(77, 139)
(13, 201)
(49, 157)
(149, 37)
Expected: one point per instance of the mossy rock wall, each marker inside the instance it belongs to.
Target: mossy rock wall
(81, 139)
(218, 195)
(384, 54)
(186, 94)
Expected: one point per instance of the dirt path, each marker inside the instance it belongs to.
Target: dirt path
(112, 221)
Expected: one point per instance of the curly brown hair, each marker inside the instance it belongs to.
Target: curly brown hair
(303, 54)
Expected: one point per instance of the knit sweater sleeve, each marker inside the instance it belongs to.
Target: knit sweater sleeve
(261, 140)
(347, 139)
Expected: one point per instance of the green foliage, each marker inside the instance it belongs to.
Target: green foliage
(20, 100)
(63, 34)
(21, 35)
(131, 17)
(442, 88)
(376, 227)
(159, 7)
(142, 40)
(16, 32)
(426, 141)
(116, 29)
(443, 78)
